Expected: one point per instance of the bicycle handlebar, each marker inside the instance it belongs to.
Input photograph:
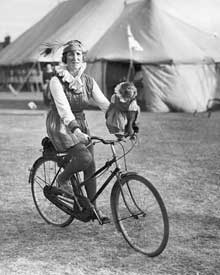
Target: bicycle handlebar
(110, 141)
(133, 139)
(104, 141)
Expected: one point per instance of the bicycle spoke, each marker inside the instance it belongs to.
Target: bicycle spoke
(45, 174)
(40, 183)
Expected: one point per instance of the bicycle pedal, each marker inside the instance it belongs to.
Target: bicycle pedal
(101, 219)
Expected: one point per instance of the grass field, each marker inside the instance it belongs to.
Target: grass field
(178, 153)
(21, 100)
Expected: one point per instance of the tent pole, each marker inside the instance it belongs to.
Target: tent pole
(130, 46)
(39, 75)
(27, 76)
(131, 64)
(103, 66)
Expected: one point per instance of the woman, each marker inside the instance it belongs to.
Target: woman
(66, 124)
(47, 74)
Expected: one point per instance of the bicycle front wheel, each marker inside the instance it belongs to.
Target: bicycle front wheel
(140, 214)
(44, 172)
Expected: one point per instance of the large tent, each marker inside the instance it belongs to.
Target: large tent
(178, 60)
(86, 20)
(26, 47)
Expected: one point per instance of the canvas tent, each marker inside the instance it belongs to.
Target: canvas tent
(202, 14)
(26, 47)
(19, 64)
(178, 60)
(86, 20)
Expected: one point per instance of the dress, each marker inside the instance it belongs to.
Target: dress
(61, 112)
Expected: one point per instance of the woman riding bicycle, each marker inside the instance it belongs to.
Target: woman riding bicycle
(71, 90)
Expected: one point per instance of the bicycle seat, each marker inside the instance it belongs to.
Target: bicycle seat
(48, 147)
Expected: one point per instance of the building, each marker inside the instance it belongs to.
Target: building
(5, 43)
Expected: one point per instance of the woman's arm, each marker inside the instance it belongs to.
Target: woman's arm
(99, 97)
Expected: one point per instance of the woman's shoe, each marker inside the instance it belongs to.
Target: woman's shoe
(104, 219)
(64, 186)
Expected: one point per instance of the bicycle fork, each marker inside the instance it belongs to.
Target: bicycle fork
(130, 195)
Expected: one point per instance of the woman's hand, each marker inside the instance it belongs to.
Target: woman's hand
(83, 138)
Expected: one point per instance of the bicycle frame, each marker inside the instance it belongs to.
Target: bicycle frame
(114, 173)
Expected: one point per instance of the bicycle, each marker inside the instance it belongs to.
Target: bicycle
(138, 210)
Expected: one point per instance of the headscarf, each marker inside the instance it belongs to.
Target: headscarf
(72, 45)
(75, 83)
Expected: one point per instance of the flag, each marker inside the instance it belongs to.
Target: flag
(132, 42)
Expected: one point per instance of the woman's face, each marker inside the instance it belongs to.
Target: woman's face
(74, 59)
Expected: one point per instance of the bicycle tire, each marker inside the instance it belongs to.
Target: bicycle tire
(140, 215)
(43, 172)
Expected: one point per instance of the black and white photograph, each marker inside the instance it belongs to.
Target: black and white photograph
(109, 137)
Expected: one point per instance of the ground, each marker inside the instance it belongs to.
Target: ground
(177, 152)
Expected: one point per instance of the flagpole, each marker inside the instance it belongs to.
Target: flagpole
(133, 44)
(131, 63)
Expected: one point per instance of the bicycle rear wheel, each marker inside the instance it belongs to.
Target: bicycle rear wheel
(140, 214)
(44, 173)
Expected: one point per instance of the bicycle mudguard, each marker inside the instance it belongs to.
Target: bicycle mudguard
(128, 174)
(35, 164)
(33, 168)
(125, 174)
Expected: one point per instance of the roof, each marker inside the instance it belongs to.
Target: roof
(163, 38)
(102, 26)
(86, 20)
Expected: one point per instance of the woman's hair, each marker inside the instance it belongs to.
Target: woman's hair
(64, 59)
(73, 45)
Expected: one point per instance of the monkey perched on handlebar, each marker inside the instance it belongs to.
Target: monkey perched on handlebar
(122, 114)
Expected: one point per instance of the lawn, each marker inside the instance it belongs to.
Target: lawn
(178, 153)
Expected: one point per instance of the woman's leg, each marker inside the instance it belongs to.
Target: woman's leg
(91, 186)
(80, 160)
